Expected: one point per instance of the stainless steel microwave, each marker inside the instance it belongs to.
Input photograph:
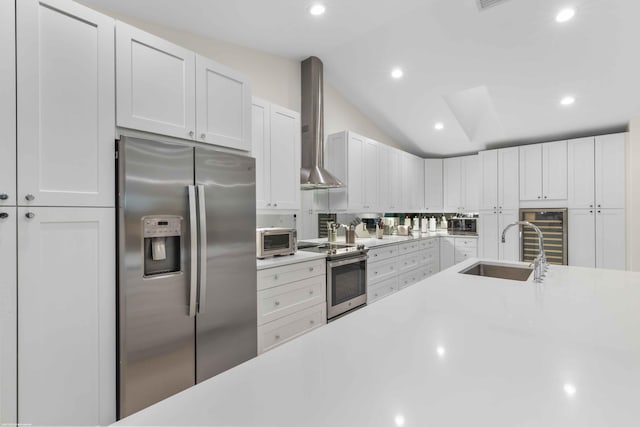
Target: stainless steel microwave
(275, 241)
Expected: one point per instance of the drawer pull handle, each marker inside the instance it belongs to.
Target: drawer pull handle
(311, 292)
(375, 295)
(375, 272)
(311, 322)
(311, 268)
(275, 277)
(277, 337)
(277, 303)
(375, 255)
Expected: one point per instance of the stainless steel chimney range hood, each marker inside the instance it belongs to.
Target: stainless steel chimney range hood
(313, 175)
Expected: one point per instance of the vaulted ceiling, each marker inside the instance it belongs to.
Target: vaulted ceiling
(491, 77)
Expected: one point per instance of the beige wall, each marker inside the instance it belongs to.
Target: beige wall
(633, 195)
(273, 78)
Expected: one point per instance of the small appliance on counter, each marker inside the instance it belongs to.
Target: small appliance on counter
(275, 241)
(460, 225)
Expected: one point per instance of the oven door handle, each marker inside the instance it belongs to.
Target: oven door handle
(338, 263)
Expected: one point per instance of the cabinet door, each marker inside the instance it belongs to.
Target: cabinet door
(395, 179)
(488, 179)
(531, 172)
(452, 184)
(285, 158)
(508, 178)
(610, 171)
(433, 185)
(223, 105)
(370, 176)
(510, 249)
(610, 239)
(418, 184)
(554, 170)
(471, 183)
(581, 177)
(155, 84)
(7, 106)
(66, 316)
(582, 238)
(488, 237)
(355, 189)
(447, 252)
(261, 150)
(384, 178)
(8, 319)
(66, 105)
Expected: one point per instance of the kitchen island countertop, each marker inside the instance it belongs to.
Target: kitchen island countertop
(452, 350)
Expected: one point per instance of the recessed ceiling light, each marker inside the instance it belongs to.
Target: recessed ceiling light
(317, 9)
(570, 389)
(565, 15)
(396, 73)
(439, 126)
(567, 100)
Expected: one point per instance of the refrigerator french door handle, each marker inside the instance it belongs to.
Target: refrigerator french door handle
(193, 231)
(202, 217)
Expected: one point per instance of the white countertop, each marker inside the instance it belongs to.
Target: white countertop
(278, 261)
(452, 350)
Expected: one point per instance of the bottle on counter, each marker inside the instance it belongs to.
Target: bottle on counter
(432, 224)
(443, 223)
(425, 224)
(416, 222)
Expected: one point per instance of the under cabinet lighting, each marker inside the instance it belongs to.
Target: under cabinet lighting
(317, 9)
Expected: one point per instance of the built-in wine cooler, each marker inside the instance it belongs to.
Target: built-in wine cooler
(553, 224)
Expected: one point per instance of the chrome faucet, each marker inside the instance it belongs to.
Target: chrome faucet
(540, 265)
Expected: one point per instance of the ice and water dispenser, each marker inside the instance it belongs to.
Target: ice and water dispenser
(162, 235)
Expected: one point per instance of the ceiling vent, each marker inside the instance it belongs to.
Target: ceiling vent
(486, 4)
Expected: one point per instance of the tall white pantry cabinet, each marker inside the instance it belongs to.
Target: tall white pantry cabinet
(60, 217)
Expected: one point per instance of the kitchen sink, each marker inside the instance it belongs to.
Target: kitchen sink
(499, 271)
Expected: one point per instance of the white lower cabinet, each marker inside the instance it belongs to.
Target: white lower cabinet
(396, 266)
(454, 250)
(8, 319)
(597, 238)
(66, 316)
(292, 300)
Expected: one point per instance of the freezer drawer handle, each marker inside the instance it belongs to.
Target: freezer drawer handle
(193, 226)
(202, 215)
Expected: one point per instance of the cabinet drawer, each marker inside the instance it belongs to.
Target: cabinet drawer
(427, 271)
(463, 254)
(280, 301)
(382, 271)
(270, 277)
(382, 289)
(466, 243)
(428, 256)
(409, 278)
(408, 262)
(383, 253)
(428, 243)
(406, 248)
(274, 333)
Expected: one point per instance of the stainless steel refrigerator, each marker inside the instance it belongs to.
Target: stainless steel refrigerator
(186, 267)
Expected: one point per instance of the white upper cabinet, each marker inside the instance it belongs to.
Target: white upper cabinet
(581, 176)
(508, 178)
(353, 159)
(433, 196)
(453, 184)
(412, 173)
(156, 85)
(276, 147)
(489, 181)
(65, 105)
(7, 106)
(610, 171)
(223, 105)
(597, 172)
(66, 316)
(390, 198)
(471, 180)
(543, 171)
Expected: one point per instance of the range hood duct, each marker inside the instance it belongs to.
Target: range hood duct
(313, 175)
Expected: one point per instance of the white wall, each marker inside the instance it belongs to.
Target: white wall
(633, 195)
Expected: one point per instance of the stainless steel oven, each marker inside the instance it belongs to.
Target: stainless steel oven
(346, 283)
